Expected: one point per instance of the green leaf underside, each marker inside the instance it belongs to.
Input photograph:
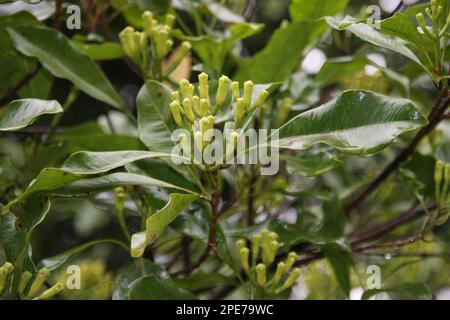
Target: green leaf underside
(20, 113)
(357, 122)
(63, 60)
(369, 34)
(158, 222)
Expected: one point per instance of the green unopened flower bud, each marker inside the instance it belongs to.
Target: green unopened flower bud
(185, 48)
(240, 244)
(421, 20)
(261, 275)
(204, 128)
(128, 44)
(169, 45)
(256, 241)
(290, 280)
(53, 291)
(240, 112)
(248, 92)
(175, 109)
(243, 255)
(161, 44)
(170, 19)
(147, 17)
(204, 107)
(25, 278)
(185, 87)
(262, 97)
(222, 90)
(187, 105)
(447, 172)
(40, 279)
(285, 108)
(196, 105)
(185, 144)
(203, 86)
(273, 248)
(119, 199)
(434, 6)
(278, 273)
(198, 139)
(290, 260)
(235, 90)
(438, 172)
(175, 95)
(273, 236)
(143, 42)
(5, 270)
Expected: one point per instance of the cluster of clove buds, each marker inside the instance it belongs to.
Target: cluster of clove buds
(267, 243)
(152, 44)
(195, 113)
(34, 287)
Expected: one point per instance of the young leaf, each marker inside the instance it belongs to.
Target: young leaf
(59, 57)
(21, 113)
(158, 222)
(357, 122)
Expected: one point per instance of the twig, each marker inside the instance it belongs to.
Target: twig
(12, 93)
(434, 118)
(250, 10)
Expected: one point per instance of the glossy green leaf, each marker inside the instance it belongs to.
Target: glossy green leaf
(357, 122)
(100, 51)
(282, 54)
(302, 10)
(15, 66)
(21, 113)
(417, 291)
(158, 222)
(134, 271)
(152, 288)
(369, 34)
(87, 163)
(59, 57)
(160, 170)
(334, 70)
(53, 263)
(155, 122)
(15, 233)
(311, 165)
(109, 181)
